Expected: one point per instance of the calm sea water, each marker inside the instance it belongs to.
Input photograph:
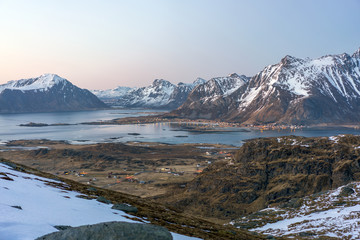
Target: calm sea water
(167, 133)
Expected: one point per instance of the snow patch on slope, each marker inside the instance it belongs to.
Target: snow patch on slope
(44, 206)
(329, 214)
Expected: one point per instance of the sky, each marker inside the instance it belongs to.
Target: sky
(102, 44)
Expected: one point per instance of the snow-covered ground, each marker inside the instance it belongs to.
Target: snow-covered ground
(30, 208)
(331, 214)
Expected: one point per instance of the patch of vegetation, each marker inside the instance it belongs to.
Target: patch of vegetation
(271, 172)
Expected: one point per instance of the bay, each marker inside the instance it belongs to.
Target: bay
(158, 132)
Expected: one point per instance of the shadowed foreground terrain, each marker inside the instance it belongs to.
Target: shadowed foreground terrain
(270, 171)
(147, 210)
(266, 172)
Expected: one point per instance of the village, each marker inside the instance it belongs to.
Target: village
(143, 169)
(162, 177)
(200, 124)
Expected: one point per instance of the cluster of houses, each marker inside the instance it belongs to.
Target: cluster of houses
(126, 177)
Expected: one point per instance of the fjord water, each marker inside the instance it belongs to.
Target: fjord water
(159, 132)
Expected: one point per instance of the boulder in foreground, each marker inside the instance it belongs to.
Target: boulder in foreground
(111, 230)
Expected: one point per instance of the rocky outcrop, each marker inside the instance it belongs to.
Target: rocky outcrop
(271, 171)
(125, 207)
(111, 230)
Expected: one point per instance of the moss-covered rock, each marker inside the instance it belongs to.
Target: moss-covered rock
(111, 230)
(125, 207)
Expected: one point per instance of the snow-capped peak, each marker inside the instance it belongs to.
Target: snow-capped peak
(43, 82)
(234, 75)
(158, 82)
(299, 75)
(160, 94)
(356, 54)
(220, 86)
(199, 81)
(290, 60)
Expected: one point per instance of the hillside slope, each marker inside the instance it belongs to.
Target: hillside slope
(330, 215)
(270, 171)
(34, 204)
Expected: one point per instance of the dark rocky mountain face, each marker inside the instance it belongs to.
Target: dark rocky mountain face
(294, 91)
(270, 171)
(47, 93)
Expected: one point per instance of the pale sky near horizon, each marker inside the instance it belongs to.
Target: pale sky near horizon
(101, 44)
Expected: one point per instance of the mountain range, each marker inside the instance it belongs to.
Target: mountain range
(161, 94)
(293, 91)
(47, 93)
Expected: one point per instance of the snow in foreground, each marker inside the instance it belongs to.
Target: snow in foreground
(331, 214)
(29, 208)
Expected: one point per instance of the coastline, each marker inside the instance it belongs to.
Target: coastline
(214, 123)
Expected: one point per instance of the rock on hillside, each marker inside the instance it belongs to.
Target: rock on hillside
(293, 91)
(47, 93)
(112, 230)
(271, 171)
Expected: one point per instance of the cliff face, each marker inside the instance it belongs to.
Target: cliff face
(271, 171)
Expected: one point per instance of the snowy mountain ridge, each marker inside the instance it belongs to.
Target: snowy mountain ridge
(293, 91)
(333, 76)
(297, 75)
(42, 83)
(111, 93)
(160, 94)
(46, 93)
(220, 86)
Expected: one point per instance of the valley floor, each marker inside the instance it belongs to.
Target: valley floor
(140, 169)
(34, 202)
